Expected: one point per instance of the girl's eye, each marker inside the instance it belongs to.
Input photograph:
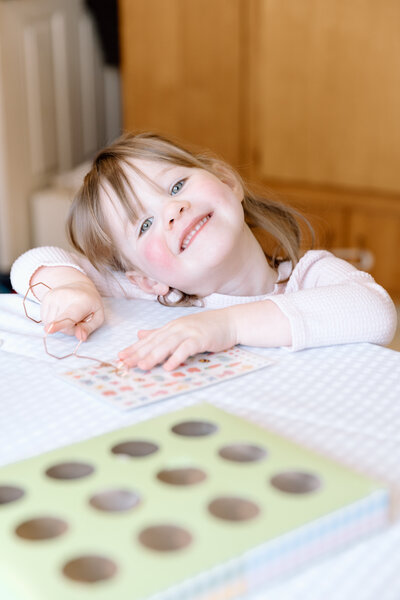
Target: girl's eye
(177, 187)
(146, 225)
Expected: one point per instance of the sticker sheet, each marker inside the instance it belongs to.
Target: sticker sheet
(134, 387)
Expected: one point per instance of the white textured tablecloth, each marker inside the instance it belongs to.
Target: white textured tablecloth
(342, 401)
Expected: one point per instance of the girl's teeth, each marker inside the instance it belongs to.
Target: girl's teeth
(194, 230)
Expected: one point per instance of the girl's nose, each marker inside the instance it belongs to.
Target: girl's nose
(174, 211)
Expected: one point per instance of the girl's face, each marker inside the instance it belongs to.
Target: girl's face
(189, 233)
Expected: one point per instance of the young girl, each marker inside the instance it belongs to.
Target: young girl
(154, 220)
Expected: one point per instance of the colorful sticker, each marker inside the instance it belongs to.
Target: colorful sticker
(134, 387)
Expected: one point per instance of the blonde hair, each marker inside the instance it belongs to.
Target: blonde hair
(90, 234)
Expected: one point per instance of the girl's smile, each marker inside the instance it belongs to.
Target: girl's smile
(193, 229)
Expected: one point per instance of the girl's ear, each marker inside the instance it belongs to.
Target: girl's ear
(150, 286)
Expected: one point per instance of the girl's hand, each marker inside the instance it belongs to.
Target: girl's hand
(259, 323)
(68, 299)
(74, 309)
(212, 331)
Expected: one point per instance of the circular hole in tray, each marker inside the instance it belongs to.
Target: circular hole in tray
(182, 476)
(90, 569)
(165, 538)
(231, 508)
(195, 428)
(135, 448)
(296, 482)
(69, 470)
(115, 500)
(10, 493)
(243, 453)
(42, 528)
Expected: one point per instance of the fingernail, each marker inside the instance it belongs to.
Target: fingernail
(121, 368)
(50, 327)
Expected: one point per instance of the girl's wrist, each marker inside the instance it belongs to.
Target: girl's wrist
(261, 324)
(55, 277)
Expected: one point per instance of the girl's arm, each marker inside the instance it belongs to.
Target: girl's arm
(72, 304)
(76, 288)
(326, 302)
(109, 283)
(254, 324)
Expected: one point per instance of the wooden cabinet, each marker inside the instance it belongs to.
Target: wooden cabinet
(361, 227)
(181, 70)
(379, 231)
(325, 91)
(301, 96)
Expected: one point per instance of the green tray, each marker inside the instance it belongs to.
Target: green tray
(184, 506)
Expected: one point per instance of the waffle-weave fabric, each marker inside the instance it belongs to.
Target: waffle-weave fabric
(341, 401)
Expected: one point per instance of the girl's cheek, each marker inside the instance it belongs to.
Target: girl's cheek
(156, 253)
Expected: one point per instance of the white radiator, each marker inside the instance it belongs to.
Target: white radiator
(58, 105)
(50, 208)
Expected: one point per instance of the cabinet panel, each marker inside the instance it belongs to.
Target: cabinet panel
(325, 94)
(379, 232)
(327, 218)
(180, 68)
(361, 228)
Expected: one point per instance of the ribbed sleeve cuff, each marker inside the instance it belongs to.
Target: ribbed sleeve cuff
(296, 321)
(27, 264)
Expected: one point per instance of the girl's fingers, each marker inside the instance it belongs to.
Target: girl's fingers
(80, 330)
(153, 358)
(147, 357)
(156, 346)
(182, 352)
(172, 355)
(143, 345)
(62, 326)
(128, 352)
(84, 328)
(148, 353)
(144, 333)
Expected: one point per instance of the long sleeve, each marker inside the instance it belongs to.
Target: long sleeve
(328, 301)
(110, 283)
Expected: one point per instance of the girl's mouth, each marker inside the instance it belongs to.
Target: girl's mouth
(189, 236)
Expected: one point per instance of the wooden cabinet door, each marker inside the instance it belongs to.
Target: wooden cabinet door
(379, 232)
(181, 70)
(324, 92)
(327, 216)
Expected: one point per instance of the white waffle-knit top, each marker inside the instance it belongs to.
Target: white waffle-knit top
(327, 300)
